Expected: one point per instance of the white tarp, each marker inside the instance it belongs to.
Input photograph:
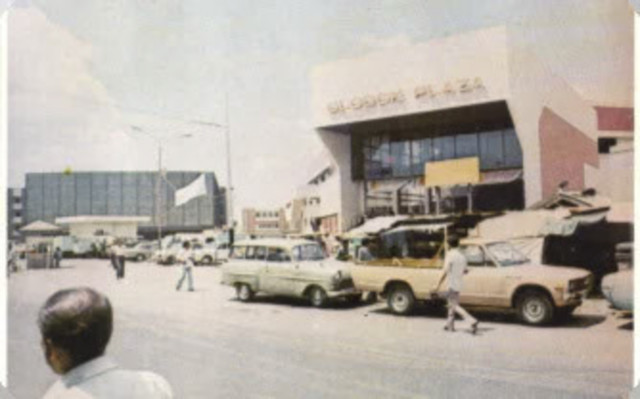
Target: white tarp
(518, 224)
(419, 227)
(195, 189)
(374, 226)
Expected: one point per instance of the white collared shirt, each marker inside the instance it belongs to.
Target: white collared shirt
(455, 265)
(102, 378)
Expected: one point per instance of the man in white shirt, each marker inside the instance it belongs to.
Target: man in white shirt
(185, 257)
(76, 326)
(455, 267)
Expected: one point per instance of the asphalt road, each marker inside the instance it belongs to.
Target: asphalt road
(209, 345)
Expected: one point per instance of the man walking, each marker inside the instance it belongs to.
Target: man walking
(76, 326)
(185, 257)
(455, 267)
(57, 257)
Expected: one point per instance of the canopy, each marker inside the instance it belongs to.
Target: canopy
(419, 227)
(373, 226)
(40, 226)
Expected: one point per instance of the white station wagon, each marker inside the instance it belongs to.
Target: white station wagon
(296, 268)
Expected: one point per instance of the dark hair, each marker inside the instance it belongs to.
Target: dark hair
(79, 321)
(186, 245)
(453, 241)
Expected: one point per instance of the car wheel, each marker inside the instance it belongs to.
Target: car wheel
(400, 299)
(244, 292)
(171, 260)
(140, 257)
(317, 297)
(535, 307)
(207, 260)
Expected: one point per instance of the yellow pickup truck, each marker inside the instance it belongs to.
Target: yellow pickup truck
(499, 277)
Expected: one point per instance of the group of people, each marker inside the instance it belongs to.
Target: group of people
(185, 258)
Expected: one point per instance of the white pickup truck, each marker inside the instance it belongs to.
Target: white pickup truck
(499, 277)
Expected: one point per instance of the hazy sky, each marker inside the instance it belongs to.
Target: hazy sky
(81, 73)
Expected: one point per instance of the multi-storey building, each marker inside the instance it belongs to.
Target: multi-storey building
(48, 196)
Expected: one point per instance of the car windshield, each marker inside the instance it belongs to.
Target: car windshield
(506, 254)
(308, 252)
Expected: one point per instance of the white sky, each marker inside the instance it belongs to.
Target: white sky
(160, 63)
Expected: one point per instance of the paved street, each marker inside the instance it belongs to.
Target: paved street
(208, 345)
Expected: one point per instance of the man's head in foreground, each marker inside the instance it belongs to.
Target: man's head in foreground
(76, 325)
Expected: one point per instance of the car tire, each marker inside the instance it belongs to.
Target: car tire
(244, 293)
(171, 260)
(400, 299)
(317, 297)
(535, 308)
(140, 258)
(207, 260)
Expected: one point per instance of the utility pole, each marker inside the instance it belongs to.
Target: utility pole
(227, 128)
(159, 196)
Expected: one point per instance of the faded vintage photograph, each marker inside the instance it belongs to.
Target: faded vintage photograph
(319, 199)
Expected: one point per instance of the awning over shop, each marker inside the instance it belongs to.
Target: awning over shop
(374, 226)
(427, 228)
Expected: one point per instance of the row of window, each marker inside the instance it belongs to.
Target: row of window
(267, 214)
(379, 156)
(274, 254)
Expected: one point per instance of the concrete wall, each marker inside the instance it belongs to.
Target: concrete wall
(459, 70)
(535, 88)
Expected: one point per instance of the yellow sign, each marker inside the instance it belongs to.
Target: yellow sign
(452, 172)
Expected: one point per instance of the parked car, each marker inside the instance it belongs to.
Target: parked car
(168, 255)
(618, 289)
(204, 254)
(140, 251)
(296, 268)
(499, 277)
(222, 252)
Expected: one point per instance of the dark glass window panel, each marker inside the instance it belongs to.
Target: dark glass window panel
(400, 158)
(512, 149)
(491, 150)
(466, 145)
(443, 148)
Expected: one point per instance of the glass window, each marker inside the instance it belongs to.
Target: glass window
(512, 150)
(491, 151)
(400, 158)
(443, 148)
(250, 253)
(506, 254)
(278, 255)
(466, 145)
(475, 256)
(260, 253)
(417, 165)
(238, 252)
(308, 252)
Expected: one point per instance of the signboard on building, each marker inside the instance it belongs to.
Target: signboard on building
(452, 172)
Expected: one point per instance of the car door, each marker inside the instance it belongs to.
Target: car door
(277, 276)
(280, 271)
(484, 283)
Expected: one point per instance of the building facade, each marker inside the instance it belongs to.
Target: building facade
(54, 195)
(390, 117)
(316, 206)
(264, 222)
(15, 212)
